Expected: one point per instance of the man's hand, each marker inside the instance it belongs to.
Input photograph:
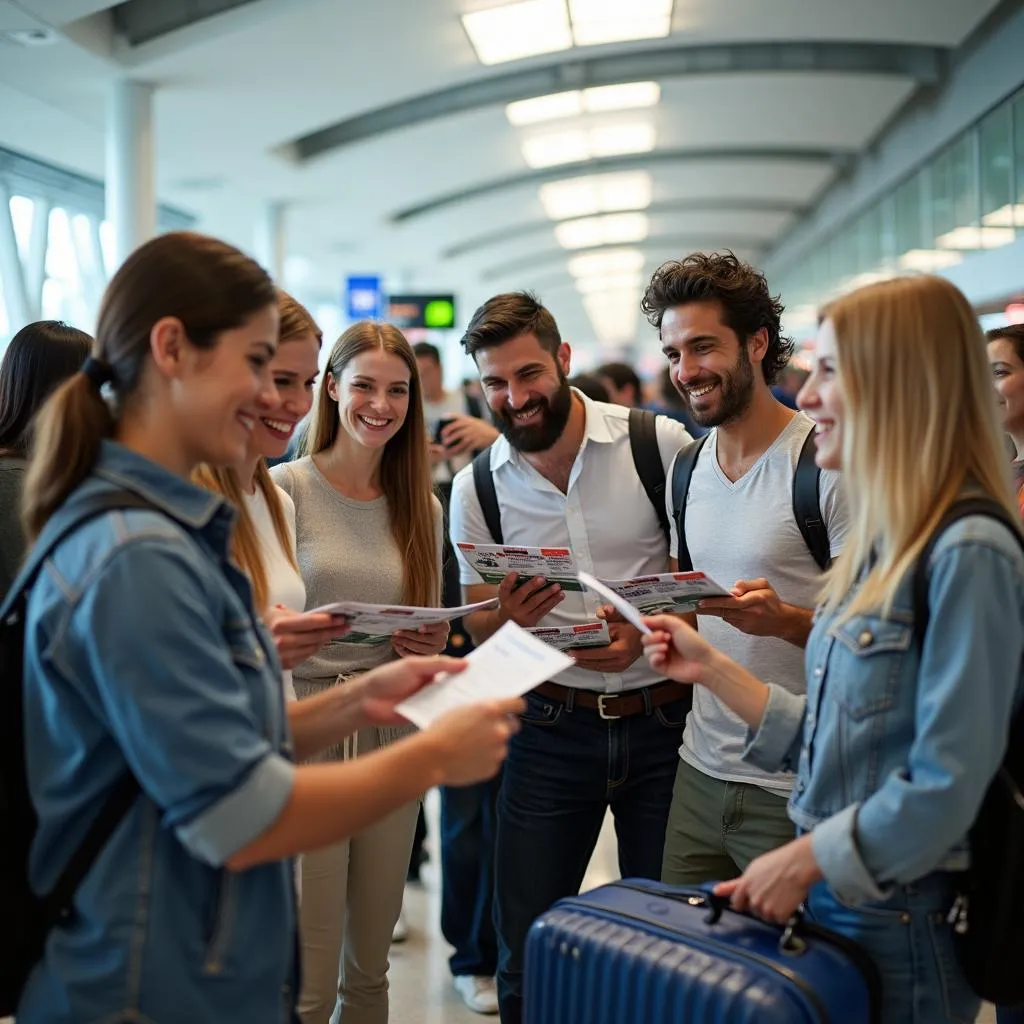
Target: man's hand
(528, 604)
(775, 884)
(467, 434)
(756, 608)
(624, 649)
(429, 639)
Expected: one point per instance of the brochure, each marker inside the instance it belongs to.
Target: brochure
(495, 561)
(675, 592)
(372, 624)
(566, 638)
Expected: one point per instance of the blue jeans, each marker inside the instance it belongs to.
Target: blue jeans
(1005, 1015)
(468, 827)
(565, 768)
(911, 942)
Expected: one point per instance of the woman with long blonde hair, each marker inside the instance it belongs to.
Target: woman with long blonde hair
(897, 740)
(368, 528)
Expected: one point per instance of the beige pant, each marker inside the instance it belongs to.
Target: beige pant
(351, 898)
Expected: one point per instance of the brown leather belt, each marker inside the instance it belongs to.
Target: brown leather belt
(617, 705)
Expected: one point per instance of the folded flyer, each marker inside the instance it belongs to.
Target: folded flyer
(371, 624)
(566, 638)
(675, 592)
(495, 561)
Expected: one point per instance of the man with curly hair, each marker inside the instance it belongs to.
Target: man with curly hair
(720, 330)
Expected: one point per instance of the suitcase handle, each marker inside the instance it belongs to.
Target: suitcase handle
(791, 943)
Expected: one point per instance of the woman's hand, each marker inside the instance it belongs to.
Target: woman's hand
(471, 742)
(299, 635)
(675, 649)
(382, 689)
(775, 884)
(429, 639)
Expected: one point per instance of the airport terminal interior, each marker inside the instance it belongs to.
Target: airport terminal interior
(403, 161)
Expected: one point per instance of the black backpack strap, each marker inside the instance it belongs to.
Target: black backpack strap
(922, 573)
(643, 443)
(473, 407)
(58, 903)
(682, 474)
(807, 505)
(487, 495)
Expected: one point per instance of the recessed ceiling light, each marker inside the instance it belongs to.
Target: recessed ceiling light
(615, 261)
(596, 100)
(976, 238)
(611, 229)
(610, 21)
(584, 144)
(929, 259)
(1005, 217)
(605, 283)
(596, 193)
(518, 30)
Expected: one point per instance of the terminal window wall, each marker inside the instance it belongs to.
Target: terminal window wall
(966, 198)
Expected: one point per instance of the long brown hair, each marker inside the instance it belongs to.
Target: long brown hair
(405, 467)
(296, 325)
(208, 285)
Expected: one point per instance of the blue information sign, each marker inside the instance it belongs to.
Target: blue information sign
(364, 298)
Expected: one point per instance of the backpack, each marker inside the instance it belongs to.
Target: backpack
(643, 443)
(806, 502)
(28, 918)
(988, 916)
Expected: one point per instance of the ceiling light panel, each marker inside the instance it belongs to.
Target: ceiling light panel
(518, 30)
(605, 283)
(545, 108)
(619, 139)
(629, 96)
(598, 100)
(584, 144)
(615, 261)
(596, 193)
(563, 148)
(610, 21)
(612, 229)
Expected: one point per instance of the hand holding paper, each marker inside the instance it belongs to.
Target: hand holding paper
(625, 609)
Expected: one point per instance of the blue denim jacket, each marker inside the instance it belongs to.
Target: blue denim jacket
(143, 654)
(894, 750)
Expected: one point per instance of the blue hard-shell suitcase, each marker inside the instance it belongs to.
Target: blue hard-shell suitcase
(640, 952)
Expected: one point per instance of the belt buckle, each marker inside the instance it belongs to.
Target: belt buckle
(601, 698)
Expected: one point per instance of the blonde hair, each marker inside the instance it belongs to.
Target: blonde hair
(405, 468)
(920, 425)
(296, 324)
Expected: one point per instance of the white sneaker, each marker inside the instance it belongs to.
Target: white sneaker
(479, 994)
(401, 930)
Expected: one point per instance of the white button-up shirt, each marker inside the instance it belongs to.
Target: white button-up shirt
(605, 519)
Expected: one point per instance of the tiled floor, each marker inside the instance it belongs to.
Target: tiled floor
(421, 988)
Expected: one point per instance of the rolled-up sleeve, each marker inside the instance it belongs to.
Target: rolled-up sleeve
(775, 744)
(967, 682)
(176, 702)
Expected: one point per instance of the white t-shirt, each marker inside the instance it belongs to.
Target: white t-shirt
(451, 405)
(284, 584)
(745, 529)
(606, 519)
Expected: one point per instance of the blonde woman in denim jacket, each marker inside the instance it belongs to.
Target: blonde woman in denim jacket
(893, 747)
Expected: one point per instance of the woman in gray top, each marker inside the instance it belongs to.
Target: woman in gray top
(39, 358)
(368, 528)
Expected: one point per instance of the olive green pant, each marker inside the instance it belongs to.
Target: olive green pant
(715, 829)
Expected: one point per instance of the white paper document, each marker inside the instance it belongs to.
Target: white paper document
(507, 665)
(565, 638)
(620, 604)
(371, 624)
(495, 561)
(676, 592)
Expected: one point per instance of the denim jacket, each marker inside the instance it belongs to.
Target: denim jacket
(893, 748)
(143, 654)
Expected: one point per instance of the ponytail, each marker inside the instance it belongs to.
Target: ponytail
(66, 444)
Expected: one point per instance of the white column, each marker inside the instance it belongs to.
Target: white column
(271, 242)
(130, 188)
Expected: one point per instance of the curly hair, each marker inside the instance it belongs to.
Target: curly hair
(740, 290)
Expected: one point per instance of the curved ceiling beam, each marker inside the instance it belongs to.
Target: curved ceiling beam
(633, 161)
(654, 209)
(924, 64)
(691, 242)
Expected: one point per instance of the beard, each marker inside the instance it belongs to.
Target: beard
(734, 395)
(539, 436)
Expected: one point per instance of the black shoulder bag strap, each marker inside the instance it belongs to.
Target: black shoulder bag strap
(682, 474)
(643, 443)
(922, 574)
(487, 495)
(59, 901)
(807, 505)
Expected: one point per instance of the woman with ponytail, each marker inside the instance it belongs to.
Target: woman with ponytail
(147, 672)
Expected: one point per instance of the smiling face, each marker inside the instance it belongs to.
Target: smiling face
(710, 366)
(823, 399)
(528, 391)
(372, 393)
(294, 371)
(1008, 377)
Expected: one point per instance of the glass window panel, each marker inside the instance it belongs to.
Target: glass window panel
(909, 226)
(995, 142)
(22, 212)
(1018, 145)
